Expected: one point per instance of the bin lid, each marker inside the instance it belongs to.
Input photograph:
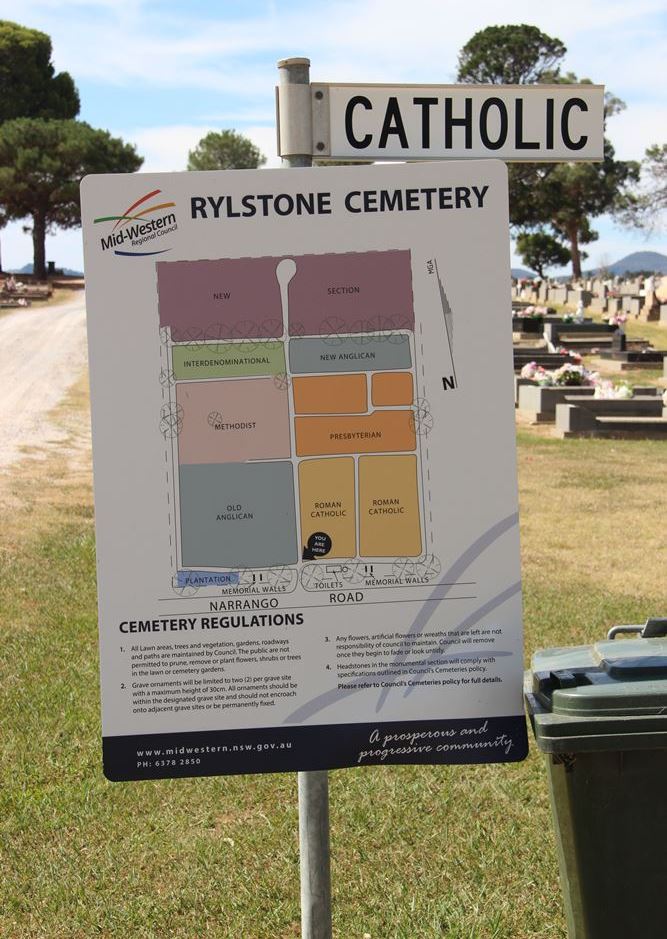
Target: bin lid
(609, 695)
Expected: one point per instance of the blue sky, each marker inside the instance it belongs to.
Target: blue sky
(162, 73)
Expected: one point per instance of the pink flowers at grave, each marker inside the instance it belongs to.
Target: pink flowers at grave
(535, 311)
(561, 350)
(606, 389)
(570, 374)
(616, 319)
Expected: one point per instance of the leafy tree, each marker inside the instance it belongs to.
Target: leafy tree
(225, 150)
(575, 192)
(29, 86)
(510, 55)
(644, 207)
(540, 250)
(41, 165)
(563, 195)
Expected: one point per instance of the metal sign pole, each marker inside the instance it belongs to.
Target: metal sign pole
(296, 146)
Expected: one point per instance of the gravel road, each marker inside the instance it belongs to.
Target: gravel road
(42, 354)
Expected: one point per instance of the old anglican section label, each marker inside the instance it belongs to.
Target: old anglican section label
(305, 475)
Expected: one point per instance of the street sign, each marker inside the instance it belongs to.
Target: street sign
(529, 123)
(305, 480)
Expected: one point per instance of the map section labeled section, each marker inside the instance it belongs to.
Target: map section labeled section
(352, 293)
(237, 515)
(293, 422)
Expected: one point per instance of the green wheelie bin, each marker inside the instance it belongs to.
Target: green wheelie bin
(599, 714)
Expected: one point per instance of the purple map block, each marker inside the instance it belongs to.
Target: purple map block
(364, 292)
(225, 299)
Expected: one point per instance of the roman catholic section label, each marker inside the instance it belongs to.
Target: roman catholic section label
(305, 480)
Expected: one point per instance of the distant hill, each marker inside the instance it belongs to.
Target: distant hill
(640, 261)
(518, 272)
(27, 269)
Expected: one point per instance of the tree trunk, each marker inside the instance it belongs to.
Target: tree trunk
(39, 245)
(573, 236)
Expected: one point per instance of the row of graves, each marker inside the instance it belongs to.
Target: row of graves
(644, 298)
(18, 293)
(554, 386)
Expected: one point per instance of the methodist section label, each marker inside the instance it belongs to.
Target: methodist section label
(232, 421)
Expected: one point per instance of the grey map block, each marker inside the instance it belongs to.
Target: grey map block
(350, 354)
(238, 515)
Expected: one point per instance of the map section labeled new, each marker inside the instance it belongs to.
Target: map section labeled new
(292, 419)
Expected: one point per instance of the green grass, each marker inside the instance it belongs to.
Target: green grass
(462, 852)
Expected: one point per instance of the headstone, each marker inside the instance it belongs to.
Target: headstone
(618, 341)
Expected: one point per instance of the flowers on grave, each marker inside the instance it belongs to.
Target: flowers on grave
(570, 374)
(535, 311)
(568, 317)
(616, 319)
(530, 370)
(561, 350)
(608, 390)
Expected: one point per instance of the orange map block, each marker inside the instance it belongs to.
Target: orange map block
(391, 389)
(389, 522)
(326, 496)
(330, 394)
(367, 433)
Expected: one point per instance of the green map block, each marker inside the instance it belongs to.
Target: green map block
(228, 360)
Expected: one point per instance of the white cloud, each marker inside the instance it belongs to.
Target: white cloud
(139, 45)
(636, 128)
(165, 149)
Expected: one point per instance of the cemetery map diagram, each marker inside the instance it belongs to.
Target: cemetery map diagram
(295, 426)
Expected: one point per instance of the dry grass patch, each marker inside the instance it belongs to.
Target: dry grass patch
(417, 852)
(47, 487)
(593, 512)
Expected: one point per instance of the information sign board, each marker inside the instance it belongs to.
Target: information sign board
(305, 482)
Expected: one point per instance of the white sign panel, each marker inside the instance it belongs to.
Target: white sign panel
(305, 482)
(530, 123)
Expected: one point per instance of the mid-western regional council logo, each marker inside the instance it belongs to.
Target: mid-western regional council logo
(133, 230)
